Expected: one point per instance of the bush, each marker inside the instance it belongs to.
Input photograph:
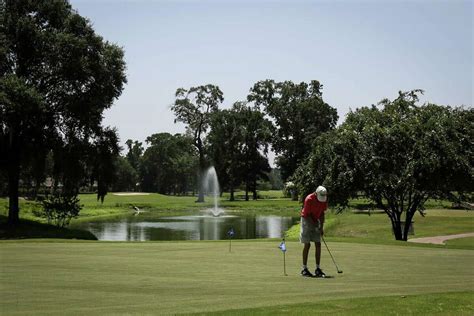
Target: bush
(59, 210)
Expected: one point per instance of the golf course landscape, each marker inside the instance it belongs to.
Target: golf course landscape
(380, 275)
(236, 157)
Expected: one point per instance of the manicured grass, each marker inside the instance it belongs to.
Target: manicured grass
(466, 243)
(47, 278)
(457, 303)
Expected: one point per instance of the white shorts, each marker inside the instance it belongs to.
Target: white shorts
(309, 231)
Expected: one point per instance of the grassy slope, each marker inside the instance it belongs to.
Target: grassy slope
(32, 229)
(186, 277)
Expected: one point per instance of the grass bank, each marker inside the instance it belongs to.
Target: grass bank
(376, 228)
(33, 229)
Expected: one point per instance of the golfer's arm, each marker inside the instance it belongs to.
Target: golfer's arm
(321, 221)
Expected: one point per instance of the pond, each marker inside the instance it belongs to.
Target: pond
(197, 227)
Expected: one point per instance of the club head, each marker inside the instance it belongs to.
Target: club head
(339, 271)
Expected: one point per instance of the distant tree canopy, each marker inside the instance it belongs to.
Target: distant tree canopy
(236, 141)
(135, 151)
(398, 155)
(126, 177)
(299, 115)
(224, 144)
(193, 107)
(169, 164)
(57, 78)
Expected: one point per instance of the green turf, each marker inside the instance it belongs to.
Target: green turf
(47, 278)
(33, 229)
(467, 242)
(456, 303)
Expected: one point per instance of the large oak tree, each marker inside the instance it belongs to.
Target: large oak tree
(57, 78)
(398, 155)
(299, 114)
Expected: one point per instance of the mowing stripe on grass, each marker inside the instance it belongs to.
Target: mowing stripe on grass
(187, 277)
(457, 303)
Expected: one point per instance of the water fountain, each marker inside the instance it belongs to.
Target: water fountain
(211, 186)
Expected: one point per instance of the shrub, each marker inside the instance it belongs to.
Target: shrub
(59, 210)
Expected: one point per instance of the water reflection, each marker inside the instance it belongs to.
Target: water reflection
(200, 227)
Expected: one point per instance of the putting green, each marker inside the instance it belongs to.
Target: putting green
(186, 277)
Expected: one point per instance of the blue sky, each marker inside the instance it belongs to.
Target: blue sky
(361, 51)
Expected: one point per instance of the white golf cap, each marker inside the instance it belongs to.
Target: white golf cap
(321, 194)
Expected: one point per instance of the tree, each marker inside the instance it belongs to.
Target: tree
(193, 107)
(126, 177)
(57, 78)
(134, 154)
(257, 134)
(299, 115)
(237, 138)
(105, 151)
(168, 164)
(225, 142)
(398, 156)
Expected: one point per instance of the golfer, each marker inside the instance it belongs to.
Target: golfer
(312, 223)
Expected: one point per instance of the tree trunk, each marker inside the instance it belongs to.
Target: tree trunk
(398, 228)
(201, 172)
(410, 213)
(231, 189)
(200, 189)
(254, 190)
(13, 194)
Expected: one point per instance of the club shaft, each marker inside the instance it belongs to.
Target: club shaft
(330, 254)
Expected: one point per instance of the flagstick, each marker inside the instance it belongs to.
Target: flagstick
(230, 244)
(284, 263)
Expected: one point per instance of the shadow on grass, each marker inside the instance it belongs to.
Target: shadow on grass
(32, 229)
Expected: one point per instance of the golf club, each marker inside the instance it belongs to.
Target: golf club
(338, 271)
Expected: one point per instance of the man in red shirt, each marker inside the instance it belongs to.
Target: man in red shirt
(312, 222)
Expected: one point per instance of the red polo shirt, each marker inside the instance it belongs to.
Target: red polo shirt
(312, 207)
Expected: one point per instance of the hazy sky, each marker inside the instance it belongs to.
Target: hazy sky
(361, 51)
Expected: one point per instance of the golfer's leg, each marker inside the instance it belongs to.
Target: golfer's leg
(318, 253)
(305, 253)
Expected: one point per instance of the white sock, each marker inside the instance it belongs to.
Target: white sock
(317, 266)
(305, 267)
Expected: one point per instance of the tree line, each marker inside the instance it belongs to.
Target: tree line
(235, 141)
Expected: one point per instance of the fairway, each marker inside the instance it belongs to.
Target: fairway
(199, 277)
